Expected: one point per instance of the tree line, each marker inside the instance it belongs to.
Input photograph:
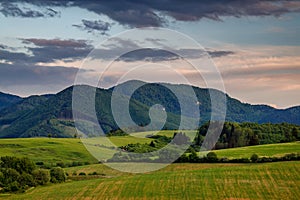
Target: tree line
(232, 135)
(236, 134)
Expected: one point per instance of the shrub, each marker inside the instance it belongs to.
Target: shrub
(254, 158)
(39, 163)
(94, 173)
(19, 164)
(212, 157)
(10, 175)
(26, 180)
(82, 174)
(224, 160)
(265, 159)
(240, 160)
(13, 186)
(61, 164)
(41, 176)
(57, 175)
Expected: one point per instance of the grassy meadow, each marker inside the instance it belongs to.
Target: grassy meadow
(261, 150)
(52, 150)
(180, 181)
(278, 180)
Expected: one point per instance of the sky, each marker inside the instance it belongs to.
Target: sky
(254, 44)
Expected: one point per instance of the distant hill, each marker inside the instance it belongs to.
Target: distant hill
(52, 114)
(8, 99)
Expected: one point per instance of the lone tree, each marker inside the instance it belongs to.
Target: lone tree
(212, 157)
(58, 175)
(254, 158)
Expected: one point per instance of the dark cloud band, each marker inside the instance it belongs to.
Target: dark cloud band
(153, 13)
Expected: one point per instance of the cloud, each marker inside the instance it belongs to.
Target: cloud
(46, 51)
(56, 49)
(135, 52)
(20, 69)
(16, 10)
(10, 56)
(219, 53)
(144, 13)
(155, 55)
(26, 74)
(92, 26)
(57, 42)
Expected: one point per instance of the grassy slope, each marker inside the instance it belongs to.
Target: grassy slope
(52, 150)
(261, 150)
(184, 181)
(67, 150)
(47, 150)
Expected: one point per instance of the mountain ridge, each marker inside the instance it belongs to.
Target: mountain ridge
(46, 115)
(8, 99)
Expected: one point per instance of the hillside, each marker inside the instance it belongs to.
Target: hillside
(52, 114)
(67, 150)
(7, 99)
(261, 150)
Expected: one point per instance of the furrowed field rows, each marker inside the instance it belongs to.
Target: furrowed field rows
(183, 181)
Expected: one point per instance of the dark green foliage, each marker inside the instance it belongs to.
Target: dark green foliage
(82, 174)
(212, 157)
(246, 134)
(41, 176)
(18, 174)
(239, 160)
(21, 165)
(254, 158)
(193, 157)
(159, 142)
(94, 173)
(52, 114)
(27, 179)
(58, 175)
(118, 132)
(7, 100)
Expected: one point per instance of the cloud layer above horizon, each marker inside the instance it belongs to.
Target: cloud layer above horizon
(254, 43)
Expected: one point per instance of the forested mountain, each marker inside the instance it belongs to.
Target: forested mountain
(51, 115)
(8, 99)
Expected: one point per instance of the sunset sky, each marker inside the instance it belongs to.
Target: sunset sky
(254, 44)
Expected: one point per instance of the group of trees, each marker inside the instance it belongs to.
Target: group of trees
(212, 157)
(19, 174)
(154, 149)
(246, 134)
(232, 135)
(159, 142)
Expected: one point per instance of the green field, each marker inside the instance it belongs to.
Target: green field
(280, 180)
(52, 150)
(48, 150)
(182, 181)
(261, 150)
